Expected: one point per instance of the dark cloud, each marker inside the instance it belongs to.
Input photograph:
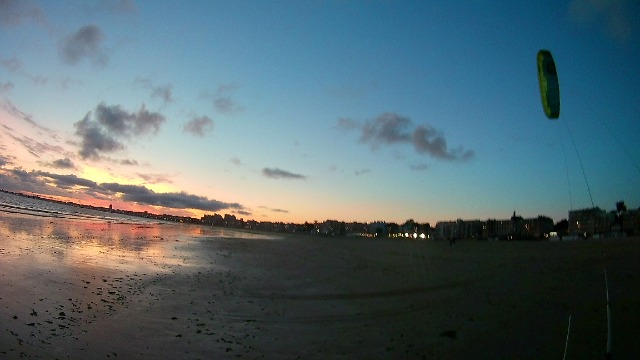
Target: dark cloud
(145, 122)
(86, 43)
(119, 122)
(179, 200)
(55, 184)
(65, 163)
(275, 173)
(6, 160)
(111, 125)
(223, 101)
(164, 92)
(16, 12)
(127, 162)
(112, 118)
(94, 140)
(387, 128)
(18, 179)
(391, 128)
(428, 140)
(67, 181)
(198, 126)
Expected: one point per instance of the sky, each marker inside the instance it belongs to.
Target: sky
(301, 111)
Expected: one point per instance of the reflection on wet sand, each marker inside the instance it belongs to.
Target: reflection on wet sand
(99, 243)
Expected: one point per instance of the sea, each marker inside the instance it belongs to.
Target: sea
(26, 205)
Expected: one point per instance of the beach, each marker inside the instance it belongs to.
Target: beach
(92, 288)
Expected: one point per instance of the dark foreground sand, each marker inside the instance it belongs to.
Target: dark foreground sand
(91, 290)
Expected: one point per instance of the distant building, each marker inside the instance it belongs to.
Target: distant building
(459, 229)
(631, 222)
(587, 222)
(509, 229)
(379, 228)
(214, 219)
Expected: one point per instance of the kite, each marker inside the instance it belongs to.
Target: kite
(549, 88)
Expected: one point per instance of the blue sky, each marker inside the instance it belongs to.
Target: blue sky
(313, 110)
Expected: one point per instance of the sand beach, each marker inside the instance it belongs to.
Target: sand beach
(91, 288)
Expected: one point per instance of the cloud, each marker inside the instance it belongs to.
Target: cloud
(18, 179)
(222, 99)
(6, 160)
(37, 148)
(12, 64)
(84, 43)
(94, 140)
(419, 167)
(236, 160)
(275, 173)
(16, 12)
(65, 163)
(617, 17)
(348, 124)
(39, 79)
(175, 200)
(273, 210)
(13, 110)
(67, 181)
(105, 131)
(128, 162)
(164, 92)
(67, 82)
(55, 184)
(6, 86)
(387, 128)
(155, 178)
(391, 129)
(198, 126)
(428, 140)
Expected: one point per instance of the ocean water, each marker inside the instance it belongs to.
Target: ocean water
(22, 205)
(12, 203)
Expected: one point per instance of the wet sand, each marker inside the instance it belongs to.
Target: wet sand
(83, 289)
